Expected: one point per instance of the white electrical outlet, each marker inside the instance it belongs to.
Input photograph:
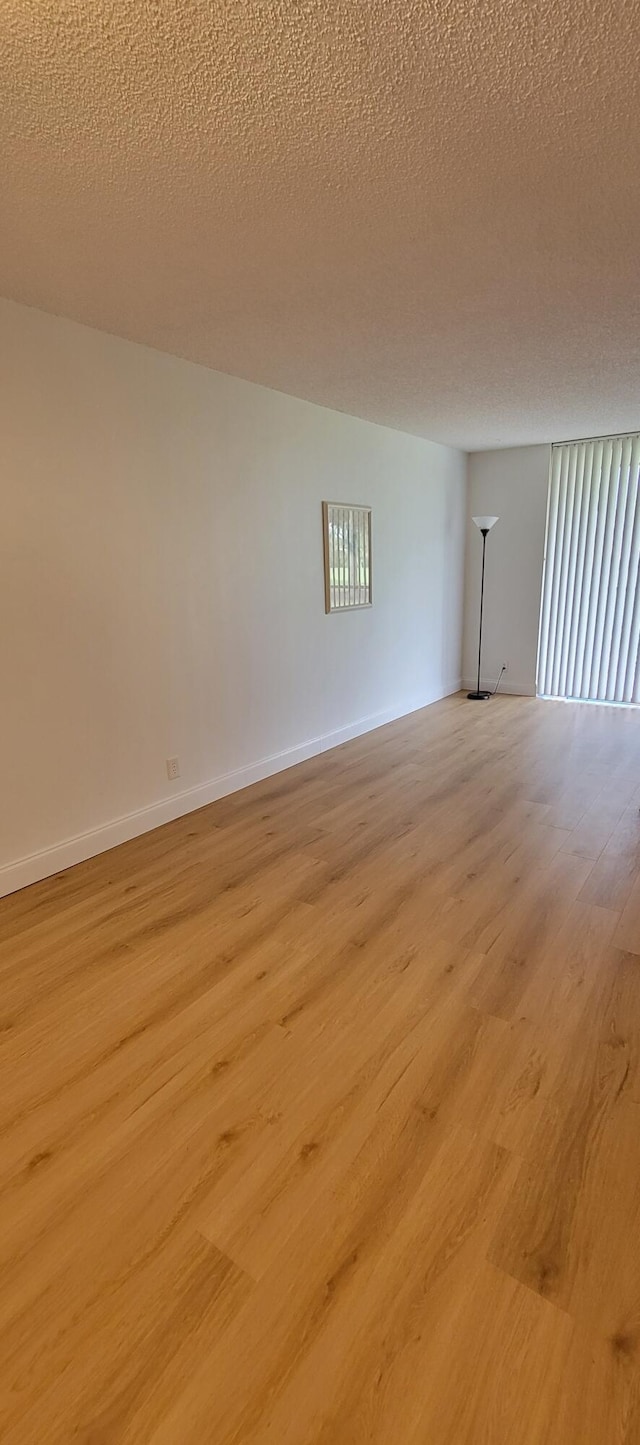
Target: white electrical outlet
(173, 769)
(505, 667)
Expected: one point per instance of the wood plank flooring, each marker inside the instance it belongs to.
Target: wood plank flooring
(320, 1108)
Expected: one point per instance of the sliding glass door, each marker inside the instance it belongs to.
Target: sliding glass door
(590, 613)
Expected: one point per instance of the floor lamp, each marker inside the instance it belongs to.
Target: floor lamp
(484, 525)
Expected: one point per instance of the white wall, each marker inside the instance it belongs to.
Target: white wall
(161, 585)
(511, 484)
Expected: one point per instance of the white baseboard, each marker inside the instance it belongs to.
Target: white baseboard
(119, 830)
(511, 689)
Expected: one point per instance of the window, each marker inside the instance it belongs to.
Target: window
(590, 615)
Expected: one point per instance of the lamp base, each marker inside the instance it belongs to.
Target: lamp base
(478, 696)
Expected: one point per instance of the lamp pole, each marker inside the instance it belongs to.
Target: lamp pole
(484, 553)
(484, 525)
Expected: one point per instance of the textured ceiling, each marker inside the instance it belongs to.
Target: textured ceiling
(425, 212)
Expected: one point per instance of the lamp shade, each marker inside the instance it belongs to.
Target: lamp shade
(485, 523)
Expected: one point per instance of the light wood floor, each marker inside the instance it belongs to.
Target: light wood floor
(320, 1108)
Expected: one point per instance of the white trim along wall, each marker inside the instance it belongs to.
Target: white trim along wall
(119, 830)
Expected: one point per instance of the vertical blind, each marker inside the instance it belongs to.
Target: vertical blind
(590, 614)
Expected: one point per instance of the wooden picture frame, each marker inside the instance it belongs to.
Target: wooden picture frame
(347, 556)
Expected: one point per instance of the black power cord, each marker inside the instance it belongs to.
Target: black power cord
(502, 670)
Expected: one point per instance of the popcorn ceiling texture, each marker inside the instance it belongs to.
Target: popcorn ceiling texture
(426, 214)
